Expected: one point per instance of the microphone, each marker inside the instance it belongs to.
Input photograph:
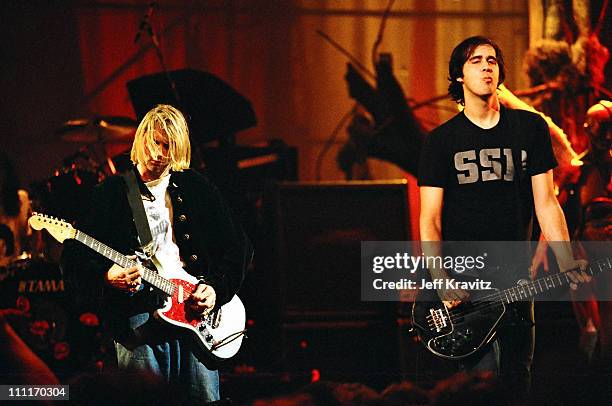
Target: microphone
(144, 23)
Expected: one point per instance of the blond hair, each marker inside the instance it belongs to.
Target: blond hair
(170, 120)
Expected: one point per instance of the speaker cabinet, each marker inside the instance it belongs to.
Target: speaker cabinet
(311, 294)
(318, 229)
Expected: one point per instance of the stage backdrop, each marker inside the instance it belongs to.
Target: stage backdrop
(72, 59)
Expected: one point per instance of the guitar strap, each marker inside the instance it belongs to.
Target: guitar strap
(138, 211)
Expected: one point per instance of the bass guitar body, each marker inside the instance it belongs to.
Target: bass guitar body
(458, 332)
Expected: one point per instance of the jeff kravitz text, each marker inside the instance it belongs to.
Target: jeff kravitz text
(402, 284)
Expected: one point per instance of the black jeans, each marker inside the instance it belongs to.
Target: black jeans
(510, 355)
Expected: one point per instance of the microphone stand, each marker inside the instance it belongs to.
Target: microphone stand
(146, 26)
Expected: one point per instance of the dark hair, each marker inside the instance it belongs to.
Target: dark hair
(460, 55)
(7, 235)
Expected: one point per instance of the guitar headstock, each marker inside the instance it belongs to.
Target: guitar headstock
(59, 229)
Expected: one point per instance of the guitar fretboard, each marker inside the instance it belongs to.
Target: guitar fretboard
(530, 289)
(118, 258)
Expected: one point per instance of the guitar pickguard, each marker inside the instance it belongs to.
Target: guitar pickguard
(458, 332)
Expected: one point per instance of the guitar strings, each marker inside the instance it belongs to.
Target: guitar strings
(154, 278)
(496, 299)
(483, 303)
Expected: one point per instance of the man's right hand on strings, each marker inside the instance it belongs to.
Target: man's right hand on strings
(453, 297)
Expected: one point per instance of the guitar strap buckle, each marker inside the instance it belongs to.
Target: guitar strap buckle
(148, 250)
(144, 255)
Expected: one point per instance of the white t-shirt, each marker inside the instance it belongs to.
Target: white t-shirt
(159, 215)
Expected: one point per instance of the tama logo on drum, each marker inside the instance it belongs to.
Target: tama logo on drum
(40, 286)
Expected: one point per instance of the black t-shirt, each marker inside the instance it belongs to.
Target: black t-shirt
(476, 168)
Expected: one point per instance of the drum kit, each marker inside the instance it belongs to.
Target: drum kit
(66, 193)
(67, 338)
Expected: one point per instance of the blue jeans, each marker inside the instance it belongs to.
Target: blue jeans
(170, 354)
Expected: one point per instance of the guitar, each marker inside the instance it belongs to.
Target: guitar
(219, 333)
(459, 332)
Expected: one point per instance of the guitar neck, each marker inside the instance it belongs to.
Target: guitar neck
(553, 281)
(118, 258)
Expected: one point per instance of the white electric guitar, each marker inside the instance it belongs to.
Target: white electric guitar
(219, 333)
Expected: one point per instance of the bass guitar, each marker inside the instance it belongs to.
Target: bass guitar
(219, 333)
(459, 332)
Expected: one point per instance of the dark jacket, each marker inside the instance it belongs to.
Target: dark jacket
(211, 244)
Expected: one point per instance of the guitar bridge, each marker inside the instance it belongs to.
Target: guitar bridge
(213, 319)
(437, 319)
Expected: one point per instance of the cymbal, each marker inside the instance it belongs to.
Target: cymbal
(106, 129)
